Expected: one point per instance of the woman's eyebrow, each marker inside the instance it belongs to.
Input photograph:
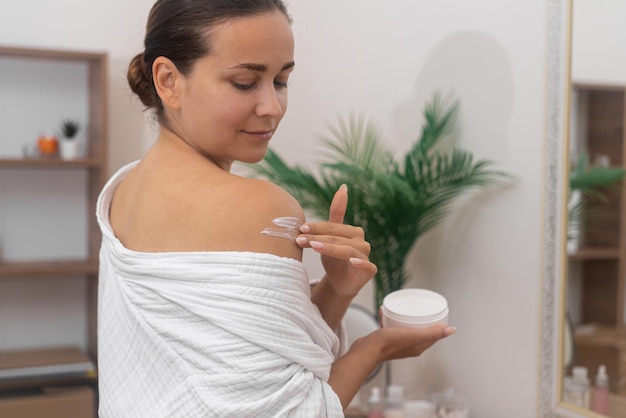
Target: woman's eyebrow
(261, 67)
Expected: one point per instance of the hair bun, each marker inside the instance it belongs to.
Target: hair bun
(140, 81)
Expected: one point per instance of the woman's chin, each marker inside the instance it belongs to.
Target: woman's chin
(253, 159)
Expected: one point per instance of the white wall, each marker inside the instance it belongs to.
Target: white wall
(383, 59)
(598, 41)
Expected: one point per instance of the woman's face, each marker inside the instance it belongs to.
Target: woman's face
(234, 98)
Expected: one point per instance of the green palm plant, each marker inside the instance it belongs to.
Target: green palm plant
(395, 202)
(590, 187)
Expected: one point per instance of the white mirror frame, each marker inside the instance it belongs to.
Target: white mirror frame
(555, 214)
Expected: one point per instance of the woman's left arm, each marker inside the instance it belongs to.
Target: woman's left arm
(344, 254)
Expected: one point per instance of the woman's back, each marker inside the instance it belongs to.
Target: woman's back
(176, 200)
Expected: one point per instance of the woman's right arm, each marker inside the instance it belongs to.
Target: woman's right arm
(350, 371)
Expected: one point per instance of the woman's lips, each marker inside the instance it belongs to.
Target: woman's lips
(261, 135)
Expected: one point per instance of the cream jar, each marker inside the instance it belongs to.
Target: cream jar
(416, 308)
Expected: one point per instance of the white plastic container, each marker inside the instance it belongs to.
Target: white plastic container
(417, 308)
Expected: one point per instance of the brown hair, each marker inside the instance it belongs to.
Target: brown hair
(179, 30)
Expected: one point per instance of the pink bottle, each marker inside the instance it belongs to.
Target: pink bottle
(600, 398)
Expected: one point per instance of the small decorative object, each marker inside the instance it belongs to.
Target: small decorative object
(395, 202)
(69, 142)
(30, 150)
(48, 145)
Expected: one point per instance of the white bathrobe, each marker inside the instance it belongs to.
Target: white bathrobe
(208, 334)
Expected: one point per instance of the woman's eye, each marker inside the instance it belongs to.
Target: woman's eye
(242, 86)
(280, 84)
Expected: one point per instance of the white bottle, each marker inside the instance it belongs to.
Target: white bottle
(600, 398)
(375, 404)
(395, 402)
(577, 387)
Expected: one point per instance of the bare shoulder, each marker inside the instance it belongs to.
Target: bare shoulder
(187, 207)
(242, 209)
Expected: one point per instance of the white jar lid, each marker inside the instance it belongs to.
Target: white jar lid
(415, 303)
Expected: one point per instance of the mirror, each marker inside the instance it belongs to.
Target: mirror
(585, 263)
(596, 262)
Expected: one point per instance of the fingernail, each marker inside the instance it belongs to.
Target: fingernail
(344, 187)
(355, 261)
(301, 240)
(316, 245)
(305, 228)
(447, 331)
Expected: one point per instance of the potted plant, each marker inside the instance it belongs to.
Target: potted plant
(395, 201)
(69, 141)
(590, 186)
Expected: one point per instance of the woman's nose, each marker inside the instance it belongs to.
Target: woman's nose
(271, 103)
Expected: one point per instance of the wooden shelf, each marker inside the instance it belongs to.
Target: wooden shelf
(51, 54)
(51, 162)
(65, 268)
(598, 85)
(50, 382)
(596, 254)
(91, 78)
(41, 367)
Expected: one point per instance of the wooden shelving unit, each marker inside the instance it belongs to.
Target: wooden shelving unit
(610, 253)
(599, 112)
(93, 166)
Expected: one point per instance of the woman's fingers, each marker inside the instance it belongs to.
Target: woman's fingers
(401, 342)
(361, 246)
(339, 205)
(332, 229)
(340, 251)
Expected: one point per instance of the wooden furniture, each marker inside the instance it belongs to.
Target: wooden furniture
(92, 86)
(599, 114)
(599, 265)
(617, 406)
(596, 345)
(67, 402)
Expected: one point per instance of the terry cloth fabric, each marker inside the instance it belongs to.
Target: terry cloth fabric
(208, 334)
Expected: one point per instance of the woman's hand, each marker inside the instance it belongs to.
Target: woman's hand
(393, 343)
(343, 248)
(350, 371)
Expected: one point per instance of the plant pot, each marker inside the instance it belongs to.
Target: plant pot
(68, 149)
(47, 145)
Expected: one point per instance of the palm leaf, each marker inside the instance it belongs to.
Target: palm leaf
(356, 142)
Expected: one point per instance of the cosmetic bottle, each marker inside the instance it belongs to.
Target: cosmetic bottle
(577, 387)
(375, 404)
(449, 404)
(394, 407)
(600, 399)
(418, 409)
(416, 308)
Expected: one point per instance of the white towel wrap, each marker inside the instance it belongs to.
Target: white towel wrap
(208, 334)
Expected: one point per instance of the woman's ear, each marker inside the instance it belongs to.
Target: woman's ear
(167, 82)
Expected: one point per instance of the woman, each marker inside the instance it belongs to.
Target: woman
(205, 308)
